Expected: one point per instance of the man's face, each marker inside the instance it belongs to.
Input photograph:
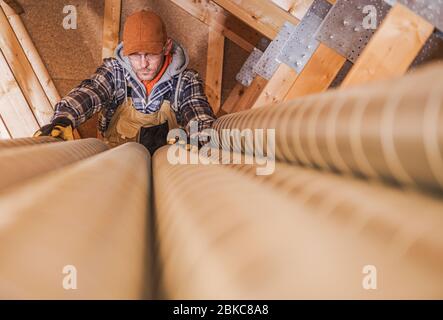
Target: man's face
(146, 66)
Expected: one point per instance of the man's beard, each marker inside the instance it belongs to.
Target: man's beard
(144, 75)
(146, 71)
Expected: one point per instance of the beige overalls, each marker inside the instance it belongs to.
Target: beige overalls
(126, 123)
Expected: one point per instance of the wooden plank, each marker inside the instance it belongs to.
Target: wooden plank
(111, 32)
(392, 48)
(111, 27)
(14, 5)
(238, 32)
(213, 15)
(31, 53)
(263, 16)
(4, 133)
(33, 56)
(318, 73)
(277, 87)
(214, 68)
(297, 8)
(251, 94)
(14, 110)
(233, 98)
(23, 72)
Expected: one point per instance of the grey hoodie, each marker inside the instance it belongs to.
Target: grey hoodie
(180, 61)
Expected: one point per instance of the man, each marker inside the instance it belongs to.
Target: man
(141, 94)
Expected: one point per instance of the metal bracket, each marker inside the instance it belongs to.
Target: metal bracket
(246, 73)
(344, 29)
(302, 44)
(431, 10)
(268, 64)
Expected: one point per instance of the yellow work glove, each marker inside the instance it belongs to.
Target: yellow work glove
(61, 128)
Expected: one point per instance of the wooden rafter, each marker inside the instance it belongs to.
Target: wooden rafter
(4, 133)
(14, 109)
(277, 87)
(214, 68)
(23, 72)
(31, 53)
(14, 5)
(32, 58)
(111, 31)
(297, 8)
(263, 16)
(239, 33)
(250, 94)
(318, 73)
(216, 17)
(111, 27)
(233, 98)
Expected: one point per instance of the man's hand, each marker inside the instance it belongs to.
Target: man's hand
(59, 128)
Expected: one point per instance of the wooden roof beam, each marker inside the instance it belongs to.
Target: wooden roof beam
(218, 19)
(18, 9)
(263, 16)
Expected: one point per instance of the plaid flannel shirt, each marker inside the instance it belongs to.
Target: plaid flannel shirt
(107, 89)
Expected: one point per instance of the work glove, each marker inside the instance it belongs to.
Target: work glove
(60, 128)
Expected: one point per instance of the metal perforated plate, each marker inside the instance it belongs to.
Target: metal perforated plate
(431, 51)
(246, 73)
(431, 10)
(302, 43)
(268, 64)
(391, 2)
(343, 30)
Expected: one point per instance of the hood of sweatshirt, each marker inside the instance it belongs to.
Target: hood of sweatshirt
(180, 61)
